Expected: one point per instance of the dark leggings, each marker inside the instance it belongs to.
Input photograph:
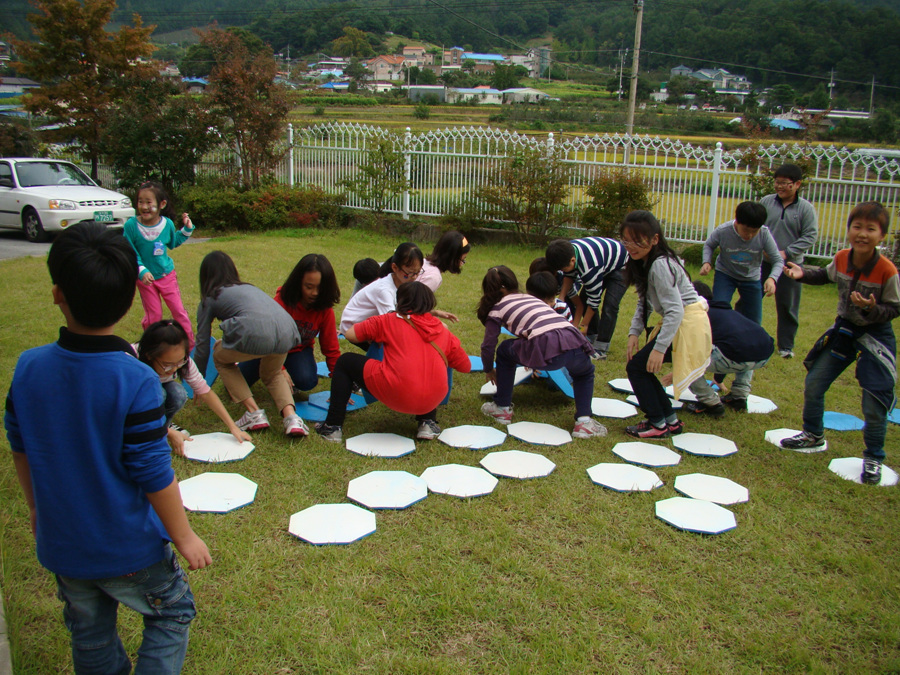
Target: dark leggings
(650, 393)
(347, 371)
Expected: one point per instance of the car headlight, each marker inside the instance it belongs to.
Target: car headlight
(62, 204)
(125, 203)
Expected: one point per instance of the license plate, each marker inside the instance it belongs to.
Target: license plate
(104, 216)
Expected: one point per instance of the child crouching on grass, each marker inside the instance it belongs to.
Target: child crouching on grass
(868, 300)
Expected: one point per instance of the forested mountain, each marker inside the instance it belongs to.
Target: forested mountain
(766, 40)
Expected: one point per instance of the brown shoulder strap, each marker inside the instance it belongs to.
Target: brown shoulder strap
(433, 344)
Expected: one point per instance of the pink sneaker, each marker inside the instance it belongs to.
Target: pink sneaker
(588, 427)
(294, 426)
(501, 414)
(648, 431)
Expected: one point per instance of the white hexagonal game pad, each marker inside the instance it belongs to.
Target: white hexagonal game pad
(539, 433)
(775, 436)
(472, 436)
(457, 480)
(217, 447)
(760, 405)
(217, 492)
(633, 400)
(850, 468)
(387, 489)
(381, 445)
(711, 488)
(622, 385)
(646, 454)
(612, 407)
(624, 477)
(686, 395)
(705, 445)
(522, 374)
(332, 524)
(695, 515)
(518, 464)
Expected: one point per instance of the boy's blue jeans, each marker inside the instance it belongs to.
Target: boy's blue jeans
(160, 593)
(749, 292)
(825, 370)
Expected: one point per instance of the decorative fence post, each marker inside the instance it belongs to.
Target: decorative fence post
(290, 154)
(714, 189)
(407, 170)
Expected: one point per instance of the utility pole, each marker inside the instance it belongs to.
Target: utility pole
(622, 55)
(635, 63)
(872, 96)
(831, 88)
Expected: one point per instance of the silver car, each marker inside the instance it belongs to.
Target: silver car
(43, 196)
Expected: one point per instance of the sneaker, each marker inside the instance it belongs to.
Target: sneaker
(499, 413)
(599, 356)
(871, 473)
(184, 431)
(675, 429)
(734, 402)
(715, 410)
(588, 427)
(253, 421)
(786, 353)
(647, 430)
(804, 440)
(295, 426)
(329, 432)
(428, 430)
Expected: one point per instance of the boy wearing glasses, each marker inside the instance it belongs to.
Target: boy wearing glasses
(792, 221)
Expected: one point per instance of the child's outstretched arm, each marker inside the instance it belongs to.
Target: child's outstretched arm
(170, 509)
(215, 404)
(793, 270)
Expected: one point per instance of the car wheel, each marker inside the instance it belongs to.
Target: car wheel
(34, 230)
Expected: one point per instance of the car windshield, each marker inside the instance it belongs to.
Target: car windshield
(32, 174)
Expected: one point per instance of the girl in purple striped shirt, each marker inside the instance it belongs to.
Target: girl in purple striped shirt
(545, 341)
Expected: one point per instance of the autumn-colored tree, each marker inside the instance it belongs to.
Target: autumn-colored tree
(83, 69)
(242, 88)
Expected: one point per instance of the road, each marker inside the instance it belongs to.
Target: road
(13, 244)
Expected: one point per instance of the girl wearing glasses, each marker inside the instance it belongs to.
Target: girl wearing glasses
(164, 347)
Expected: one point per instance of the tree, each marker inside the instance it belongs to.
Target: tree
(613, 193)
(356, 71)
(17, 140)
(505, 77)
(242, 88)
(381, 176)
(83, 69)
(353, 43)
(782, 96)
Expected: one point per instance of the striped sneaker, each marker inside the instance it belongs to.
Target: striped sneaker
(253, 421)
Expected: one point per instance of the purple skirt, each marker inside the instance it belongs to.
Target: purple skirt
(537, 351)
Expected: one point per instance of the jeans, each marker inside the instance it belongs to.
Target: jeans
(650, 393)
(719, 363)
(301, 366)
(160, 593)
(614, 288)
(578, 364)
(749, 292)
(176, 397)
(822, 372)
(787, 307)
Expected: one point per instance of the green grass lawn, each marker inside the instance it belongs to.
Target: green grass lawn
(553, 575)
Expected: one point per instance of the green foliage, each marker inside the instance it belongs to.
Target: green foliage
(693, 255)
(217, 205)
(613, 193)
(352, 43)
(319, 111)
(341, 99)
(380, 177)
(421, 111)
(529, 190)
(505, 77)
(17, 140)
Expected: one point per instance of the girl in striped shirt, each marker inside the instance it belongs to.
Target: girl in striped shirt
(546, 341)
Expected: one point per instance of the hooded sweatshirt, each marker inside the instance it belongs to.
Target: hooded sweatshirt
(412, 378)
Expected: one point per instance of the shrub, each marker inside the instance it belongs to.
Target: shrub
(219, 206)
(421, 111)
(380, 176)
(613, 193)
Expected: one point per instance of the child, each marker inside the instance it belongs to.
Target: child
(742, 243)
(411, 378)
(164, 347)
(683, 336)
(541, 287)
(365, 271)
(596, 264)
(739, 346)
(253, 327)
(151, 233)
(792, 221)
(546, 341)
(868, 300)
(103, 499)
(448, 255)
(380, 297)
(308, 296)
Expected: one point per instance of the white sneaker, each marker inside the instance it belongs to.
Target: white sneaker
(786, 353)
(499, 413)
(428, 430)
(588, 427)
(253, 421)
(295, 426)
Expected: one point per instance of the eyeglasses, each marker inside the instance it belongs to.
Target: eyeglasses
(783, 183)
(409, 275)
(634, 244)
(169, 367)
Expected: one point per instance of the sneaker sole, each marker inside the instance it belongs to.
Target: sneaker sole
(254, 427)
(583, 435)
(664, 434)
(297, 432)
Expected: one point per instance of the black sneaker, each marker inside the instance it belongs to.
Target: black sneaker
(734, 402)
(871, 473)
(646, 430)
(675, 429)
(804, 441)
(329, 432)
(715, 410)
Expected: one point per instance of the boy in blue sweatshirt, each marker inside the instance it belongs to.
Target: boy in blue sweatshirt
(99, 483)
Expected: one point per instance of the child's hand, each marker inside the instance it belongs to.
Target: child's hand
(452, 318)
(147, 278)
(769, 287)
(239, 435)
(862, 301)
(655, 361)
(632, 347)
(491, 376)
(704, 269)
(666, 379)
(176, 441)
(194, 551)
(793, 270)
(186, 221)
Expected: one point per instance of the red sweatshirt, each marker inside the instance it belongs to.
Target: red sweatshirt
(311, 323)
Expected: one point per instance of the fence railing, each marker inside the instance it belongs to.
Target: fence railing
(696, 187)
